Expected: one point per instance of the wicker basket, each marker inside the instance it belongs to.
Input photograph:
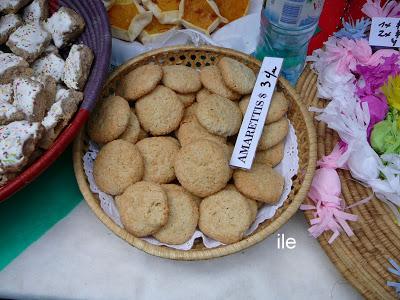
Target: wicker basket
(298, 115)
(96, 36)
(362, 258)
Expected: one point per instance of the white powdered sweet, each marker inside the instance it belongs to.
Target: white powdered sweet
(28, 96)
(77, 66)
(63, 108)
(12, 5)
(51, 65)
(13, 138)
(6, 93)
(35, 12)
(30, 38)
(9, 61)
(8, 24)
(9, 113)
(58, 24)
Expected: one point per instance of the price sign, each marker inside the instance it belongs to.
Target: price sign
(385, 32)
(256, 114)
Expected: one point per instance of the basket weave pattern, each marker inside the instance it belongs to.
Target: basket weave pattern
(362, 258)
(298, 115)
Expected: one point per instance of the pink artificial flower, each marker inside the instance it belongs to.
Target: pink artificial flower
(346, 54)
(372, 8)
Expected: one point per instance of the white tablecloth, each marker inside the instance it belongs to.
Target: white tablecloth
(80, 258)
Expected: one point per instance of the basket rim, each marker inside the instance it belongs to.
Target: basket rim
(202, 254)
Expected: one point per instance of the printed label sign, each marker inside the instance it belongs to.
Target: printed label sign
(257, 110)
(385, 32)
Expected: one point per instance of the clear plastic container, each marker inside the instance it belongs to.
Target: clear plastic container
(285, 31)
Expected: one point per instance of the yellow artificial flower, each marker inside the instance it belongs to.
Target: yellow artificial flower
(392, 92)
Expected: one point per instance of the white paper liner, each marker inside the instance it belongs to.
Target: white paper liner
(287, 168)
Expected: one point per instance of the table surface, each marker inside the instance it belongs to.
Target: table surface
(79, 258)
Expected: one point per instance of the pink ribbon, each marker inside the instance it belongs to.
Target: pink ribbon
(325, 193)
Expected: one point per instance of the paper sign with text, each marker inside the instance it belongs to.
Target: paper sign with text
(385, 32)
(257, 110)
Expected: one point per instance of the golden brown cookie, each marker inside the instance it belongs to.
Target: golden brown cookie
(117, 165)
(159, 112)
(237, 76)
(131, 134)
(181, 79)
(189, 112)
(191, 131)
(183, 216)
(219, 115)
(140, 82)
(159, 156)
(278, 108)
(142, 134)
(252, 203)
(272, 157)
(202, 168)
(109, 119)
(273, 134)
(244, 103)
(187, 99)
(143, 208)
(261, 183)
(225, 216)
(202, 94)
(211, 78)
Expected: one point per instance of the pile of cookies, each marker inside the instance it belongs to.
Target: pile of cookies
(149, 20)
(39, 90)
(166, 139)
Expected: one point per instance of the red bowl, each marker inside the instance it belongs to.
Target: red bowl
(97, 36)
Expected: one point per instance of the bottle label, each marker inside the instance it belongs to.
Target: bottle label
(294, 13)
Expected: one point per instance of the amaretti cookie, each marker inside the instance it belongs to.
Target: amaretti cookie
(183, 216)
(261, 183)
(29, 41)
(143, 208)
(202, 168)
(225, 216)
(109, 119)
(237, 76)
(118, 165)
(77, 67)
(211, 78)
(159, 112)
(219, 115)
(132, 131)
(159, 155)
(181, 79)
(65, 25)
(273, 134)
(140, 82)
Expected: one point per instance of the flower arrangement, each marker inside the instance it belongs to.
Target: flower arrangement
(362, 86)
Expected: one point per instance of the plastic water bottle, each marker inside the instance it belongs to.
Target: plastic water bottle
(285, 31)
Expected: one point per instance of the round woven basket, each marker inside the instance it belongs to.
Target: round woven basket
(196, 57)
(362, 258)
(97, 36)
